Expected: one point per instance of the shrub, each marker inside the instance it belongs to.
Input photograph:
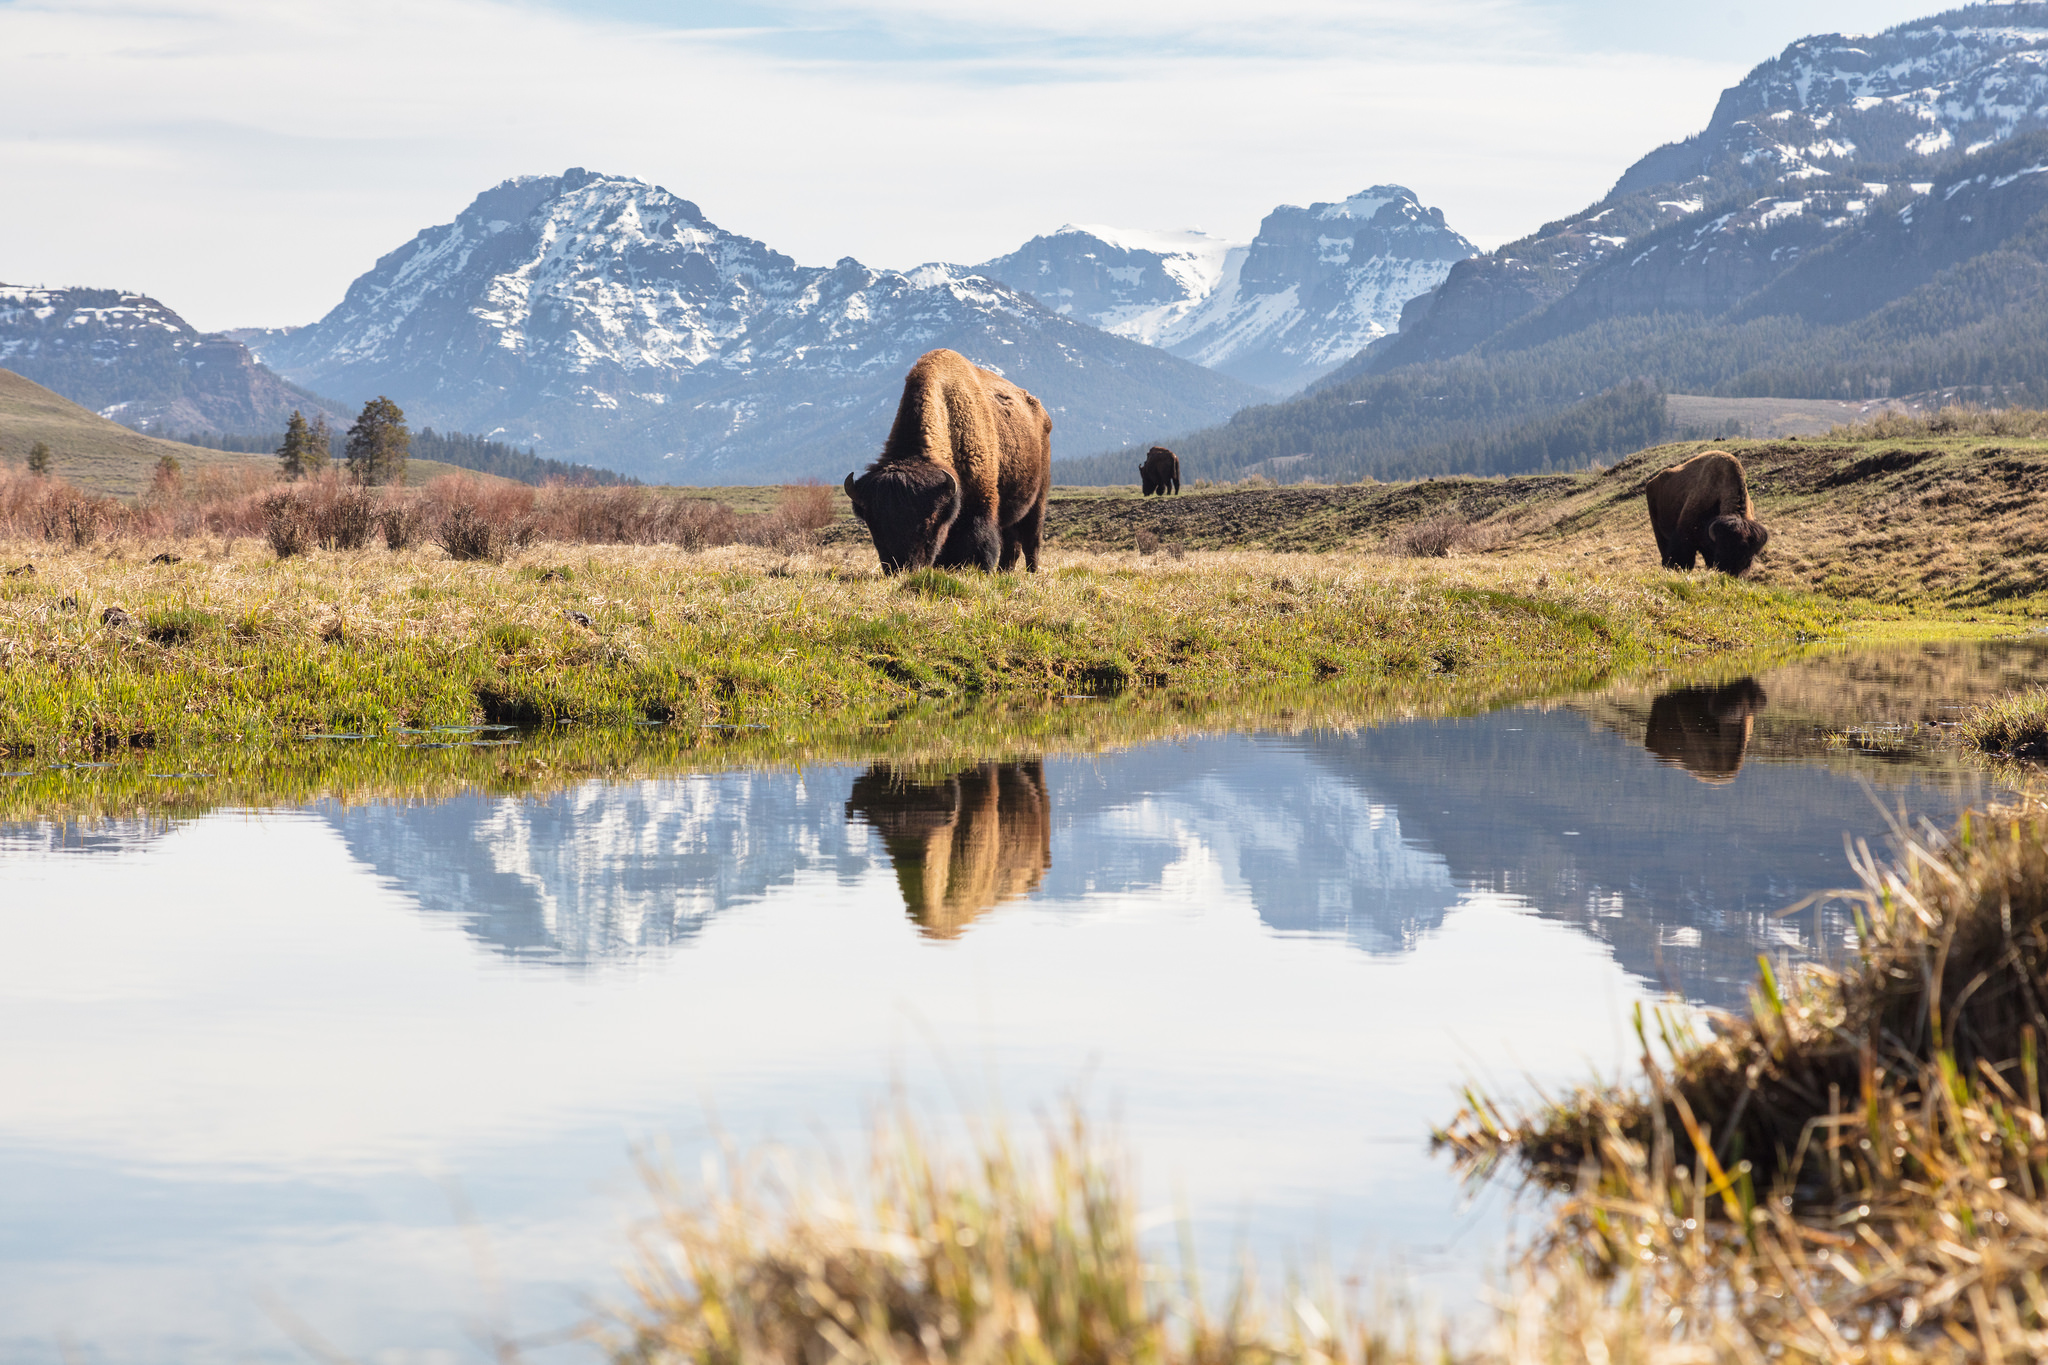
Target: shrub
(404, 525)
(345, 517)
(467, 534)
(1437, 536)
(1148, 543)
(285, 524)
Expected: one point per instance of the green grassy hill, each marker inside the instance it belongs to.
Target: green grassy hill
(88, 450)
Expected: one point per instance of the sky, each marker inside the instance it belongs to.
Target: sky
(244, 160)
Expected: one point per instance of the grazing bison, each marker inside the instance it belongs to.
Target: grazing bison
(1161, 471)
(963, 477)
(1701, 507)
(1705, 730)
(959, 844)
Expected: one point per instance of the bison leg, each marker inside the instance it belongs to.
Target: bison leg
(973, 544)
(1024, 537)
(1667, 553)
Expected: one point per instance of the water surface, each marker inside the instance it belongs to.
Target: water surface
(374, 1073)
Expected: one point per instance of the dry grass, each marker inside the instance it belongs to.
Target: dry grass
(1444, 534)
(1855, 1170)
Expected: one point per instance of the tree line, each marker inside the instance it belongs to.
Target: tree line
(320, 447)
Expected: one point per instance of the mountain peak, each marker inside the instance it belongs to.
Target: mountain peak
(603, 317)
(1315, 286)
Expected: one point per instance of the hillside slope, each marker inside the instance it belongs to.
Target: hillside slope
(1944, 291)
(1830, 131)
(87, 449)
(1953, 518)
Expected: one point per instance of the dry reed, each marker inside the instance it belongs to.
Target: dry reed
(1855, 1169)
(998, 1258)
(2016, 725)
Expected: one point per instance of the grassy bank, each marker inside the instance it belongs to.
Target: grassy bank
(233, 644)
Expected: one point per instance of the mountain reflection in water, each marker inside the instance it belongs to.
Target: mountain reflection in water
(1654, 837)
(963, 843)
(1705, 730)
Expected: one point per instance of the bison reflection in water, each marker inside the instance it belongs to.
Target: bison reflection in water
(1705, 730)
(961, 843)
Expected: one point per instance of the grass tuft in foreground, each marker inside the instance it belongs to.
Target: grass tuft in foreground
(1856, 1169)
(998, 1257)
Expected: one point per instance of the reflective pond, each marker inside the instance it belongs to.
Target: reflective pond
(373, 1075)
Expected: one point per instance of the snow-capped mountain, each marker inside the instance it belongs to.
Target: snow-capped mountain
(1132, 283)
(605, 318)
(130, 358)
(1315, 286)
(1797, 152)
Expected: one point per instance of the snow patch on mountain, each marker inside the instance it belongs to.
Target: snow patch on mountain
(1315, 286)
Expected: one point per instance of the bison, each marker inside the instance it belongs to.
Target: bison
(1701, 507)
(1161, 471)
(960, 844)
(1705, 730)
(963, 476)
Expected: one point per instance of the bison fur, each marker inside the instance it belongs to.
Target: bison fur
(1701, 509)
(962, 480)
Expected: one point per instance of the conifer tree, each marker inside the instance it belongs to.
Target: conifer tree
(319, 446)
(39, 459)
(378, 444)
(291, 456)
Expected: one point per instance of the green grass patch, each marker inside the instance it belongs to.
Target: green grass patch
(329, 642)
(933, 583)
(2016, 726)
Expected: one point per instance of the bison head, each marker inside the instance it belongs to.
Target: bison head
(908, 506)
(1735, 541)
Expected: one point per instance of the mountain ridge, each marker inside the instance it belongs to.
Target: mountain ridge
(607, 319)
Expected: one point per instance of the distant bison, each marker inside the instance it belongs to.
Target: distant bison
(963, 477)
(1161, 471)
(1702, 507)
